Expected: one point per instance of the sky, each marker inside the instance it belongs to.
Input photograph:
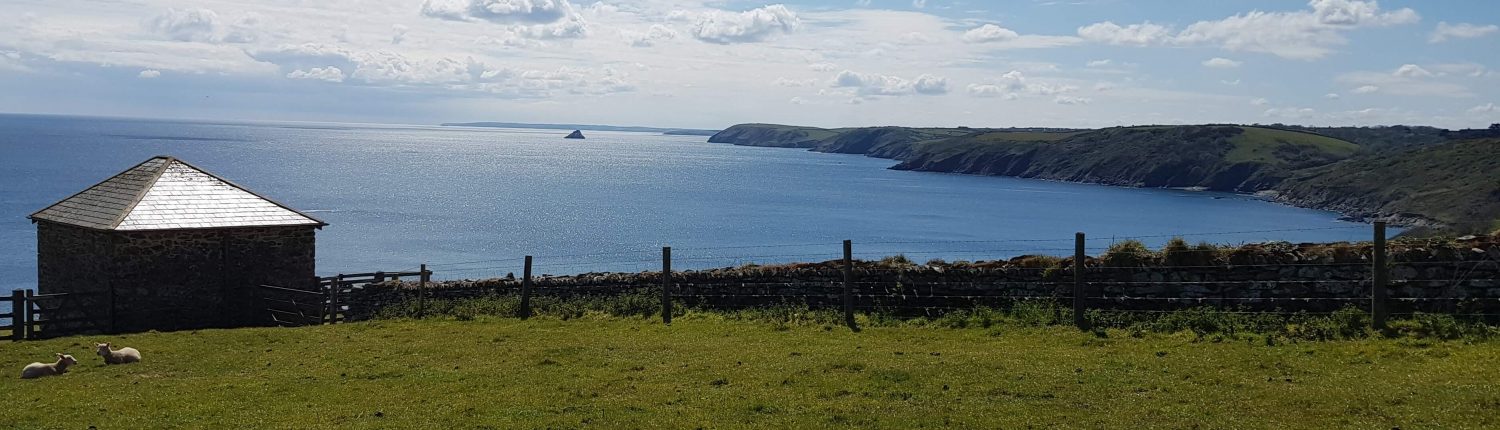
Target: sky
(714, 63)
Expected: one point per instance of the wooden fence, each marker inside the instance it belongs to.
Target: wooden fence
(43, 316)
(291, 307)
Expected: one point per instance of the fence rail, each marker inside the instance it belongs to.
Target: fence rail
(42, 316)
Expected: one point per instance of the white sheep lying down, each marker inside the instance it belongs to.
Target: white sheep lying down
(37, 370)
(119, 356)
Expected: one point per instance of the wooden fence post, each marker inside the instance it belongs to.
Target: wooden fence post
(17, 317)
(28, 329)
(1079, 318)
(849, 285)
(333, 299)
(422, 291)
(666, 285)
(526, 289)
(1380, 276)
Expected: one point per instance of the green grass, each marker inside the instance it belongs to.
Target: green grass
(1262, 145)
(709, 371)
(1026, 136)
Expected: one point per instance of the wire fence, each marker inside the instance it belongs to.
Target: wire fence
(1095, 274)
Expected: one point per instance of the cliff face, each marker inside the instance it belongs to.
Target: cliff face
(771, 135)
(1397, 173)
(1455, 183)
(1145, 157)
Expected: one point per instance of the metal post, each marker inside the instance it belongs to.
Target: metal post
(1078, 295)
(849, 285)
(526, 290)
(1380, 276)
(666, 285)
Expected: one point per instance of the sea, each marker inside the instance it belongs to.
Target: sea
(472, 202)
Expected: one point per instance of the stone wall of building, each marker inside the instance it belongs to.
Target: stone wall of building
(1460, 277)
(177, 279)
(71, 259)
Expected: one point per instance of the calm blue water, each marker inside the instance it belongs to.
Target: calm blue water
(468, 200)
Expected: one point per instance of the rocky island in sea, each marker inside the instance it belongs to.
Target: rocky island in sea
(576, 134)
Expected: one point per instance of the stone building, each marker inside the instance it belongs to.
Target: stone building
(170, 246)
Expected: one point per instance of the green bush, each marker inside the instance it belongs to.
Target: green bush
(1128, 253)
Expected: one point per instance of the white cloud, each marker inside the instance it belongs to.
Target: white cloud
(1407, 80)
(794, 83)
(398, 33)
(1070, 100)
(1297, 35)
(149, 74)
(1221, 63)
(931, 85)
(978, 90)
(1484, 108)
(657, 33)
(1099, 63)
(797, 101)
(1231, 83)
(1464, 69)
(823, 67)
(1331, 96)
(1305, 34)
(328, 74)
(1014, 84)
(499, 11)
(531, 19)
(749, 26)
(1134, 34)
(918, 3)
(989, 33)
(1446, 31)
(1259, 101)
(194, 24)
(1411, 71)
(870, 84)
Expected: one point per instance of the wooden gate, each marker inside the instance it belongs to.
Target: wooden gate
(291, 307)
(43, 316)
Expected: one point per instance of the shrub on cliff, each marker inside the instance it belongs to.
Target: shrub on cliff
(1128, 253)
(896, 260)
(1178, 253)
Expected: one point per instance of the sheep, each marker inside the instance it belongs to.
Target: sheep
(37, 370)
(121, 356)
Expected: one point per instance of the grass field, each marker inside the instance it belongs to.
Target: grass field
(1260, 145)
(704, 371)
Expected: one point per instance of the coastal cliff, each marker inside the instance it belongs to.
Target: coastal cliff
(1302, 166)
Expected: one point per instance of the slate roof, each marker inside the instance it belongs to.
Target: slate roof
(165, 193)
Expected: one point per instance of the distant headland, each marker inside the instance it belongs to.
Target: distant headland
(1439, 181)
(589, 127)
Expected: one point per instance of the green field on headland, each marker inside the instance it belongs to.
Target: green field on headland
(706, 371)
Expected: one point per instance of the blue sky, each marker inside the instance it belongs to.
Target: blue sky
(705, 63)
